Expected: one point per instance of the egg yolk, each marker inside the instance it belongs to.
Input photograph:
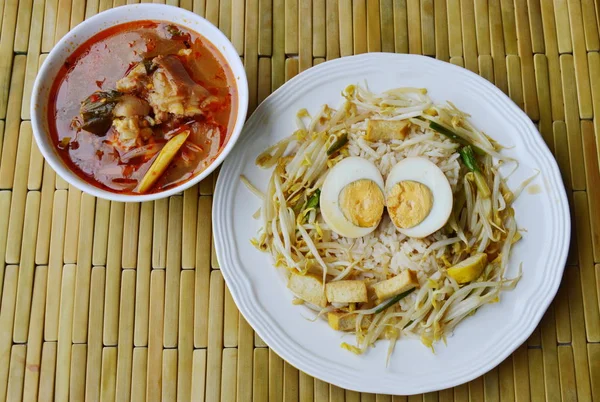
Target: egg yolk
(408, 203)
(361, 203)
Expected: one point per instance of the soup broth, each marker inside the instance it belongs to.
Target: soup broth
(123, 94)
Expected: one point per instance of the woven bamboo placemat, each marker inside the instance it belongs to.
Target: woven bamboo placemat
(108, 301)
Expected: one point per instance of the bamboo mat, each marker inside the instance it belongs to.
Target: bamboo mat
(108, 301)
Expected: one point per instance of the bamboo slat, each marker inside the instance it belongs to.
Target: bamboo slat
(26, 270)
(497, 43)
(77, 380)
(186, 336)
(400, 26)
(536, 375)
(413, 16)
(543, 94)
(7, 314)
(113, 274)
(594, 354)
(237, 25)
(427, 28)
(260, 388)
(65, 328)
(7, 35)
(563, 28)
(44, 226)
(373, 27)
(251, 52)
(550, 357)
(47, 372)
(108, 379)
(318, 25)
(586, 265)
(16, 373)
(72, 226)
(36, 166)
(188, 237)
(138, 375)
(526, 54)
(5, 197)
(568, 388)
(55, 266)
(278, 59)
(359, 27)
(23, 23)
(491, 389)
(230, 325)
(33, 51)
(94, 340)
(580, 357)
(467, 11)
(225, 14)
(125, 339)
(142, 286)
(100, 232)
(580, 59)
(572, 121)
(215, 336)
(245, 360)
(291, 26)
(19, 195)
(131, 225)
(228, 389)
(441, 30)
(265, 27)
(84, 267)
(198, 374)
(535, 22)
(592, 41)
(155, 333)
(35, 336)
(386, 20)
(159, 237)
(202, 274)
(173, 272)
(169, 375)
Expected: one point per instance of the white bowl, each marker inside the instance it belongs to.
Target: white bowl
(84, 31)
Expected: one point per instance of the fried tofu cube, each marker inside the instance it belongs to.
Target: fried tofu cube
(341, 321)
(309, 288)
(400, 283)
(385, 130)
(350, 291)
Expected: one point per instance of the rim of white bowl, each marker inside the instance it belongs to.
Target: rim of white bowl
(65, 47)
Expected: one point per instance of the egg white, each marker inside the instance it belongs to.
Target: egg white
(345, 172)
(424, 171)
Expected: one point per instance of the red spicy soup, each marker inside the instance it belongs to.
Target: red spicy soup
(142, 107)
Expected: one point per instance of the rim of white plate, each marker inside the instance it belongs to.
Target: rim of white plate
(271, 332)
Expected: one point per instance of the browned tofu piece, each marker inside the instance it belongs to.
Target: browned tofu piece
(341, 321)
(346, 292)
(309, 288)
(400, 283)
(385, 130)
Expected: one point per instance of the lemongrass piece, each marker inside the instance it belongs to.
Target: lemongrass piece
(162, 161)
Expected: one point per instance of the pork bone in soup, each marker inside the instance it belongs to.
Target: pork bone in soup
(142, 107)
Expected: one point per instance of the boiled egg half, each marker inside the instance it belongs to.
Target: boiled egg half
(352, 199)
(418, 197)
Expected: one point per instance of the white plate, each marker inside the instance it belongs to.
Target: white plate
(480, 342)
